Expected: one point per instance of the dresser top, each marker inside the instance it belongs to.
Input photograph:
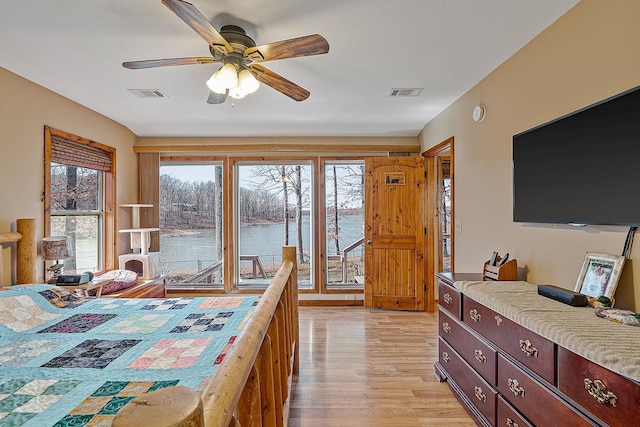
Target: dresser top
(578, 329)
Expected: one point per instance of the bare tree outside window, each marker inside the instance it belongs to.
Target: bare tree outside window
(344, 200)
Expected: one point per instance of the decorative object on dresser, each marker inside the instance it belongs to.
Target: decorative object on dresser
(500, 268)
(513, 357)
(599, 274)
(55, 248)
(146, 264)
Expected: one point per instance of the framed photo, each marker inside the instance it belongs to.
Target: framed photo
(599, 274)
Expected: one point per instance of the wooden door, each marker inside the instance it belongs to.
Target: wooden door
(395, 233)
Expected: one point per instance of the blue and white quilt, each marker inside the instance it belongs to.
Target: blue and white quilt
(66, 360)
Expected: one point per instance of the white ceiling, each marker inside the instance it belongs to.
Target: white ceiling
(76, 48)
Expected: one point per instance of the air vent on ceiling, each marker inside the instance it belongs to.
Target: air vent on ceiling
(406, 91)
(147, 93)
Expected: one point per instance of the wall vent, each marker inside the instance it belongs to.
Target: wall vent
(399, 154)
(406, 91)
(147, 93)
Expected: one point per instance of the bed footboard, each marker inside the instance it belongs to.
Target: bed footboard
(252, 387)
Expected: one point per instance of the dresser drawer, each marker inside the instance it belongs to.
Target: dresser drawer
(477, 390)
(449, 298)
(607, 395)
(482, 357)
(527, 347)
(508, 416)
(533, 400)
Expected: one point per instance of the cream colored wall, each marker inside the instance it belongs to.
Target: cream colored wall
(589, 54)
(24, 110)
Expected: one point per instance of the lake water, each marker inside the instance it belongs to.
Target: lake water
(182, 252)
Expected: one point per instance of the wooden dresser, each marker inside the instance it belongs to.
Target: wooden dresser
(505, 374)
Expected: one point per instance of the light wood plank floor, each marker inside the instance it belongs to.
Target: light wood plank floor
(361, 367)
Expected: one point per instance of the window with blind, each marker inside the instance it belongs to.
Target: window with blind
(79, 199)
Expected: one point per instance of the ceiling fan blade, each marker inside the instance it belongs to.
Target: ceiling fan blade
(217, 98)
(279, 83)
(292, 48)
(193, 18)
(153, 63)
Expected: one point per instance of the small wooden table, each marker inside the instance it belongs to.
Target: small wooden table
(96, 284)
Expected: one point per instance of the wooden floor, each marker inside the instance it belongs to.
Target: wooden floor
(361, 367)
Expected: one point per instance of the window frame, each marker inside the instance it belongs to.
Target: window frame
(210, 161)
(107, 226)
(325, 286)
(234, 213)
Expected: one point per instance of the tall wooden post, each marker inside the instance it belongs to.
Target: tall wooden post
(26, 251)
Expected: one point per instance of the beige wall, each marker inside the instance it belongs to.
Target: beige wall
(24, 110)
(591, 53)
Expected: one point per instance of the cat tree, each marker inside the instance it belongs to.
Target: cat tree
(143, 262)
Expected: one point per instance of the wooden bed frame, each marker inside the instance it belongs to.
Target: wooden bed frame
(252, 387)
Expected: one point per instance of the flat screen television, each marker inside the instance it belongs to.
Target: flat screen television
(583, 168)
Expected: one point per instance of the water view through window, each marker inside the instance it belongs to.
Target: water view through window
(273, 203)
(272, 206)
(344, 223)
(191, 224)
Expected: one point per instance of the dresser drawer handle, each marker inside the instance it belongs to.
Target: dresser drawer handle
(480, 357)
(515, 388)
(446, 327)
(498, 320)
(447, 298)
(445, 357)
(479, 394)
(598, 391)
(475, 316)
(528, 348)
(511, 423)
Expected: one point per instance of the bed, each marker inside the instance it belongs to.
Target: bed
(66, 359)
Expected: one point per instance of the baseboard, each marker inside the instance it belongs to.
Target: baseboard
(329, 303)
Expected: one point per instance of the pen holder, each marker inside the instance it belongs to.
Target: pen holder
(507, 271)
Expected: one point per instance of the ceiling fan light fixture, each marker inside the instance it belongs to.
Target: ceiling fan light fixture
(247, 82)
(227, 76)
(237, 93)
(215, 86)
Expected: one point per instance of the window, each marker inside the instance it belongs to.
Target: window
(273, 206)
(191, 224)
(79, 199)
(344, 224)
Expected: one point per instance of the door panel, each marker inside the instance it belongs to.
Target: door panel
(394, 233)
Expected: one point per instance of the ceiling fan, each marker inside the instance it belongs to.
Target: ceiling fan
(240, 72)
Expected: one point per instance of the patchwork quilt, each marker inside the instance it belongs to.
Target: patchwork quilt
(67, 360)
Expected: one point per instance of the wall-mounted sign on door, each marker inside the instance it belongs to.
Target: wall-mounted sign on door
(394, 178)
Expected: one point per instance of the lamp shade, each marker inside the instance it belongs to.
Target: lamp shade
(215, 86)
(227, 76)
(56, 247)
(247, 82)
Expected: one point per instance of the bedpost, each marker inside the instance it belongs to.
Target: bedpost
(289, 254)
(177, 406)
(26, 250)
(7, 238)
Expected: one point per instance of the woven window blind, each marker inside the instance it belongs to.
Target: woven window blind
(81, 155)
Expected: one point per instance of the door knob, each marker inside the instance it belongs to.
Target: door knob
(369, 242)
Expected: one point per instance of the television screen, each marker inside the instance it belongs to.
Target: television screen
(583, 168)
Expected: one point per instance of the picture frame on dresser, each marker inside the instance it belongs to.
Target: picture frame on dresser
(599, 274)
